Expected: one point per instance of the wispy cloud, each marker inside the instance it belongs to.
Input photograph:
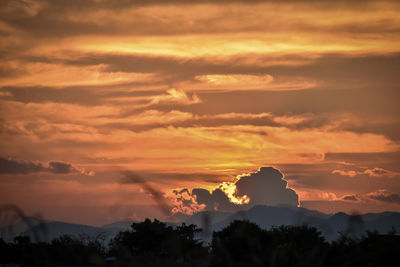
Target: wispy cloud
(374, 172)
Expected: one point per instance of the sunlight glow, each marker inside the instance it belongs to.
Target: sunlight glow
(229, 188)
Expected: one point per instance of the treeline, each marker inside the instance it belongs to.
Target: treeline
(242, 243)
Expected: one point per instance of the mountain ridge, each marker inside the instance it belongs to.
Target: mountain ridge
(330, 225)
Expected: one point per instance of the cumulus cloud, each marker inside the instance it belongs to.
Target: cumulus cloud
(17, 166)
(264, 187)
(199, 199)
(185, 202)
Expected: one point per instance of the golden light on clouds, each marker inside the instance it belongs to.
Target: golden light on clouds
(230, 190)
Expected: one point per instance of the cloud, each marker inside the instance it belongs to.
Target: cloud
(17, 166)
(185, 202)
(388, 160)
(384, 196)
(112, 17)
(239, 81)
(379, 172)
(59, 167)
(351, 198)
(345, 173)
(374, 172)
(381, 195)
(176, 96)
(153, 119)
(264, 187)
(216, 200)
(11, 166)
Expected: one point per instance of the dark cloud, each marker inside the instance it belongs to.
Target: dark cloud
(61, 167)
(46, 94)
(217, 200)
(16, 166)
(82, 95)
(12, 166)
(266, 187)
(384, 196)
(351, 198)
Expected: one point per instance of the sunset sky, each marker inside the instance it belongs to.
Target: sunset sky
(190, 94)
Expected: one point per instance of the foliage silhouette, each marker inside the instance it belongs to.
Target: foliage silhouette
(65, 250)
(153, 243)
(242, 243)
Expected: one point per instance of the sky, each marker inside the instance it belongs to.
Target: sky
(109, 109)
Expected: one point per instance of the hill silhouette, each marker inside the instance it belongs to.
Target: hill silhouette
(331, 226)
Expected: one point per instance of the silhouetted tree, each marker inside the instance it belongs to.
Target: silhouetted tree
(297, 246)
(374, 249)
(154, 243)
(242, 243)
(70, 250)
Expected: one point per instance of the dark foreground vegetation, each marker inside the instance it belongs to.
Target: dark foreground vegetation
(242, 243)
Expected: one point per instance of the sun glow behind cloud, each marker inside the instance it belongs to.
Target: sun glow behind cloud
(229, 188)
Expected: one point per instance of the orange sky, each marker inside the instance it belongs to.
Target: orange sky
(190, 94)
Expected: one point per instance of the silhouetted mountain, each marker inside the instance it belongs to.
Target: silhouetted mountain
(14, 229)
(331, 226)
(382, 222)
(122, 225)
(48, 230)
(213, 217)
